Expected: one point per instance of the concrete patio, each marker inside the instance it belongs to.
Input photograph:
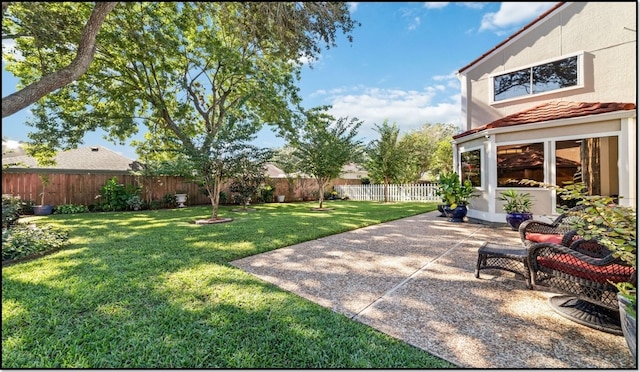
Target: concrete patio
(413, 279)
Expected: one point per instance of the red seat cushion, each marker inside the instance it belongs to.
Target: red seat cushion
(573, 266)
(544, 238)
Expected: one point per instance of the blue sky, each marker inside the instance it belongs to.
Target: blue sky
(401, 66)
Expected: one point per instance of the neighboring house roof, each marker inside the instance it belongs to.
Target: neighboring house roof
(275, 172)
(84, 158)
(552, 111)
(353, 171)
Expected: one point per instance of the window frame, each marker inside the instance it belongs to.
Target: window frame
(480, 167)
(530, 67)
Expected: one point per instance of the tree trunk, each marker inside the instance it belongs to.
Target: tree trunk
(58, 79)
(215, 198)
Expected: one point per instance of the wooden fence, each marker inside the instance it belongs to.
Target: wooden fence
(375, 192)
(84, 188)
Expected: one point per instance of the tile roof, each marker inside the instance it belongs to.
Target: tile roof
(552, 111)
(84, 158)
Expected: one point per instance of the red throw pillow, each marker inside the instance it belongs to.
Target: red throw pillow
(571, 265)
(544, 238)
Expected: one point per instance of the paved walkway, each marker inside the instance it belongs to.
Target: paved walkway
(413, 279)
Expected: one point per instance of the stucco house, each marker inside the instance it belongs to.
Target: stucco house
(554, 102)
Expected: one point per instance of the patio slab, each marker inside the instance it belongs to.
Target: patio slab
(413, 279)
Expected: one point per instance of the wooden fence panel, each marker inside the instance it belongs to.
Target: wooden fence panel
(84, 188)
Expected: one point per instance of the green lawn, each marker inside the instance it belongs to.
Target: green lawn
(150, 289)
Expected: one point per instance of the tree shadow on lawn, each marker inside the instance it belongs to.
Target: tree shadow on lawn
(86, 310)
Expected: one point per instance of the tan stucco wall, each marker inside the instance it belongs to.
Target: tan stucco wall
(605, 32)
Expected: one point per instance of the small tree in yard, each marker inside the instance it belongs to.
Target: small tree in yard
(388, 159)
(324, 146)
(249, 169)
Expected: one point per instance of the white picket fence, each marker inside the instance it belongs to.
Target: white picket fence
(375, 192)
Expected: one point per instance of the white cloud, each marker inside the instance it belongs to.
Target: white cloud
(9, 47)
(353, 6)
(435, 5)
(471, 5)
(513, 14)
(409, 109)
(415, 23)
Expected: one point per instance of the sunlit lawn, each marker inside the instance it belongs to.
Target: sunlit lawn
(152, 290)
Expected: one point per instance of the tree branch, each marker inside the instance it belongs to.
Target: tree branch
(51, 82)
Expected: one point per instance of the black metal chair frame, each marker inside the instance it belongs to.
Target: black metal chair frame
(560, 226)
(591, 299)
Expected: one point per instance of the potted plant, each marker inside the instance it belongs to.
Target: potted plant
(455, 195)
(134, 202)
(518, 207)
(615, 227)
(43, 209)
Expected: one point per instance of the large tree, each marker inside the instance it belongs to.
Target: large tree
(324, 145)
(38, 22)
(200, 76)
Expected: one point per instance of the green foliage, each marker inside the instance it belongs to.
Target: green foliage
(11, 209)
(224, 71)
(134, 202)
(604, 220)
(23, 240)
(388, 159)
(169, 199)
(516, 202)
(452, 191)
(114, 196)
(71, 209)
(266, 192)
(248, 171)
(324, 145)
(429, 149)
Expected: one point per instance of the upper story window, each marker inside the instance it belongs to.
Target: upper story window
(542, 78)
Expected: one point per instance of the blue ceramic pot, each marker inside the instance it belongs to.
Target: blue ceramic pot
(514, 219)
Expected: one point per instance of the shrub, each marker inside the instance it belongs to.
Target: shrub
(27, 207)
(23, 240)
(11, 207)
(114, 195)
(71, 209)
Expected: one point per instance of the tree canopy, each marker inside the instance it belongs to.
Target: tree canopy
(202, 77)
(324, 145)
(41, 23)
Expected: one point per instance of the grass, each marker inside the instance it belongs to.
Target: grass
(151, 290)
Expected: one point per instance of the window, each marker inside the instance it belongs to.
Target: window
(470, 167)
(536, 79)
(518, 162)
(593, 161)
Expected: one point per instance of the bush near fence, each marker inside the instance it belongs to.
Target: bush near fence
(82, 188)
(375, 192)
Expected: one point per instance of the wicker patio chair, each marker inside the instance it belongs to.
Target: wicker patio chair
(583, 272)
(559, 231)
